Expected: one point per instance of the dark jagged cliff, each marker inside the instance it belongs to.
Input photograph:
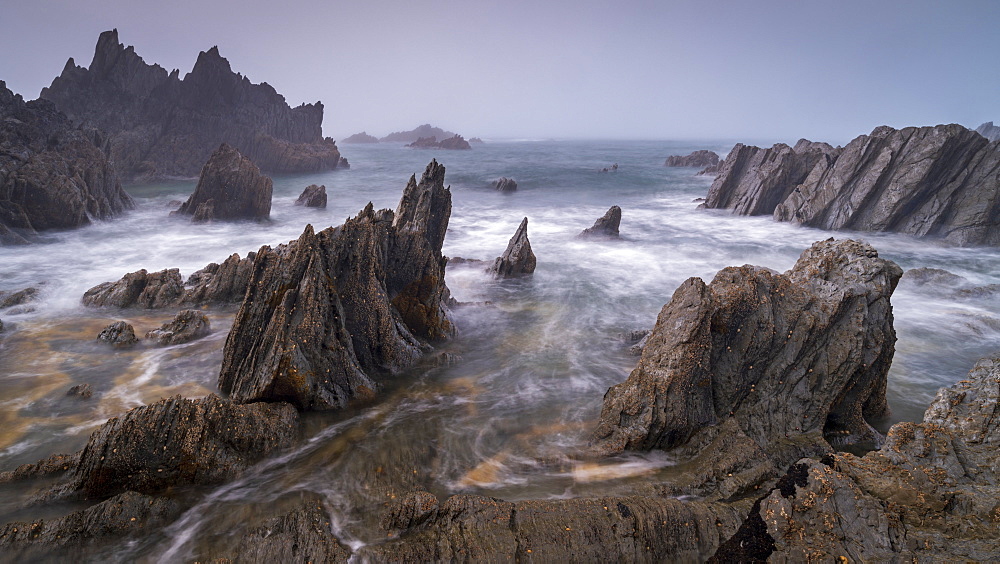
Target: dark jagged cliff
(941, 181)
(52, 175)
(161, 125)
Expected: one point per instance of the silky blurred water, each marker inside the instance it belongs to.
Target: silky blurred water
(532, 358)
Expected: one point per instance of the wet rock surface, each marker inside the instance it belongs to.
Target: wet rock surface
(517, 259)
(20, 297)
(606, 226)
(504, 184)
(230, 188)
(700, 158)
(939, 181)
(186, 326)
(329, 313)
(160, 125)
(118, 334)
(312, 197)
(55, 174)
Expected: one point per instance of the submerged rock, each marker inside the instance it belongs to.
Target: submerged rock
(606, 226)
(118, 334)
(187, 325)
(55, 175)
(325, 315)
(700, 158)
(517, 259)
(776, 361)
(504, 184)
(82, 391)
(20, 297)
(160, 125)
(312, 197)
(230, 188)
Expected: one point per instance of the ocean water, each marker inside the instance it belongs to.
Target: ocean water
(509, 414)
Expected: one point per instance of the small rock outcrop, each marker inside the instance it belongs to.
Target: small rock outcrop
(779, 361)
(312, 197)
(517, 259)
(702, 158)
(20, 297)
(324, 316)
(362, 137)
(941, 181)
(416, 133)
(119, 335)
(161, 125)
(504, 184)
(989, 131)
(230, 188)
(606, 226)
(185, 327)
(82, 391)
(54, 175)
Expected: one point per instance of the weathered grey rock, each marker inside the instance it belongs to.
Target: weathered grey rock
(606, 226)
(118, 334)
(702, 158)
(324, 316)
(772, 362)
(20, 297)
(82, 391)
(517, 259)
(230, 188)
(504, 184)
(753, 181)
(186, 326)
(929, 494)
(362, 137)
(54, 175)
(160, 125)
(220, 284)
(989, 131)
(138, 289)
(312, 197)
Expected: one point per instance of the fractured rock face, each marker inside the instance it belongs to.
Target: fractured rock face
(767, 356)
(230, 188)
(312, 197)
(517, 259)
(504, 184)
(326, 314)
(606, 226)
(138, 289)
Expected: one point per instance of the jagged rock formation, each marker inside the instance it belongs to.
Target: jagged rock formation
(989, 131)
(312, 197)
(230, 188)
(425, 130)
(161, 125)
(326, 314)
(929, 494)
(214, 284)
(504, 184)
(517, 259)
(186, 326)
(702, 158)
(362, 137)
(119, 334)
(941, 181)
(780, 359)
(52, 175)
(456, 142)
(606, 226)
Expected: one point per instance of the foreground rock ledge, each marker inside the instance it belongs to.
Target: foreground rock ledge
(326, 314)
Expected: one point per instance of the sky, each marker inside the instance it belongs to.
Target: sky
(670, 69)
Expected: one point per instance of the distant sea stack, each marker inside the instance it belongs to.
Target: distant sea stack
(700, 159)
(52, 175)
(427, 130)
(452, 143)
(230, 188)
(941, 181)
(989, 131)
(160, 125)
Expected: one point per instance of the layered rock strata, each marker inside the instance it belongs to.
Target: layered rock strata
(160, 125)
(517, 259)
(941, 181)
(312, 197)
(606, 226)
(504, 184)
(327, 314)
(702, 158)
(52, 174)
(230, 188)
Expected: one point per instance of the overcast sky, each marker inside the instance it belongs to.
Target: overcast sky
(745, 69)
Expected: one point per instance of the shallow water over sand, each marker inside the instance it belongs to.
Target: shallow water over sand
(508, 411)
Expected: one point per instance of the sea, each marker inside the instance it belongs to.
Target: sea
(507, 409)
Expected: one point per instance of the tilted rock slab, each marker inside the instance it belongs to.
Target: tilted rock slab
(778, 360)
(941, 181)
(313, 196)
(230, 188)
(606, 226)
(326, 314)
(54, 175)
(517, 259)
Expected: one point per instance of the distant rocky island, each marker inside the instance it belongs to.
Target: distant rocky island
(939, 181)
(989, 131)
(425, 136)
(362, 137)
(160, 125)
